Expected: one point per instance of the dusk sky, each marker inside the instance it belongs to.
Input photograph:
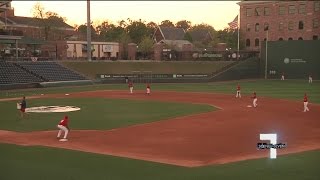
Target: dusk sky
(216, 13)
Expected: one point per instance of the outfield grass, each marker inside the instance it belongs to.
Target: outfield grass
(102, 113)
(289, 89)
(20, 163)
(91, 69)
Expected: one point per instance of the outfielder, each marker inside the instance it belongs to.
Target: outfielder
(255, 99)
(131, 86)
(148, 89)
(238, 91)
(310, 78)
(282, 77)
(63, 126)
(305, 103)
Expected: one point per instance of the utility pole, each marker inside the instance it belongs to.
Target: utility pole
(88, 31)
(266, 68)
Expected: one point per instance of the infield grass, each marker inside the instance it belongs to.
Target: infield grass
(95, 113)
(20, 163)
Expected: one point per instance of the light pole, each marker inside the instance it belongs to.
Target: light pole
(88, 31)
(266, 68)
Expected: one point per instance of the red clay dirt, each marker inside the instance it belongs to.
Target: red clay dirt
(227, 135)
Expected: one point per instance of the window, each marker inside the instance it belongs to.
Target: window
(316, 6)
(257, 27)
(290, 39)
(249, 12)
(266, 26)
(315, 23)
(292, 9)
(300, 24)
(315, 37)
(282, 10)
(248, 27)
(302, 8)
(256, 42)
(266, 11)
(300, 38)
(281, 26)
(248, 42)
(280, 39)
(290, 25)
(258, 11)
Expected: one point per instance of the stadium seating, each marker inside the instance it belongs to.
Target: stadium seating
(11, 74)
(50, 71)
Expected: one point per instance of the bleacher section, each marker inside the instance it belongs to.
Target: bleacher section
(50, 71)
(11, 74)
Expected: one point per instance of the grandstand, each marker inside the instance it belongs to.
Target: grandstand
(11, 74)
(50, 71)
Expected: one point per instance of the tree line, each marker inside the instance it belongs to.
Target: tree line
(139, 31)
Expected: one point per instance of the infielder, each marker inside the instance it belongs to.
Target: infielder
(23, 106)
(131, 86)
(255, 99)
(238, 92)
(148, 89)
(305, 103)
(63, 126)
(310, 78)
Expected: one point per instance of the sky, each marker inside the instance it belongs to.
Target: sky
(215, 13)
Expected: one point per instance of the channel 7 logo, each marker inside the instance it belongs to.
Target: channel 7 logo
(273, 146)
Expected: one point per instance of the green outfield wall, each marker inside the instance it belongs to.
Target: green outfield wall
(296, 59)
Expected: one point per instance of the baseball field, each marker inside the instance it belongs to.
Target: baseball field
(180, 131)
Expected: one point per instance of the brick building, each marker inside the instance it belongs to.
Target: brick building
(280, 20)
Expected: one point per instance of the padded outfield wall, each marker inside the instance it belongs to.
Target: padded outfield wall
(296, 59)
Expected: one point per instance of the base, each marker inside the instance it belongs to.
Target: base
(63, 140)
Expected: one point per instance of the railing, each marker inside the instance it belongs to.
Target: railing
(11, 32)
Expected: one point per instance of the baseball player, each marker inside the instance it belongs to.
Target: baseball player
(23, 106)
(310, 78)
(255, 99)
(148, 89)
(63, 126)
(305, 103)
(282, 77)
(238, 92)
(131, 86)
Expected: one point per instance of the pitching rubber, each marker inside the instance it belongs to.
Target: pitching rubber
(63, 140)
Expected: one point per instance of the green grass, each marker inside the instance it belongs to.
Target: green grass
(289, 89)
(95, 113)
(20, 163)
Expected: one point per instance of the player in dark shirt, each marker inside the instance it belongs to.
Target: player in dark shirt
(23, 107)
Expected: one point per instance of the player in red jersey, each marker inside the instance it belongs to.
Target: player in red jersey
(255, 99)
(63, 126)
(238, 91)
(130, 85)
(148, 89)
(305, 103)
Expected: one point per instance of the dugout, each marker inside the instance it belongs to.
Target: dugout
(296, 59)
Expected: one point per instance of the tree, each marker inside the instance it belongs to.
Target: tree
(137, 30)
(184, 24)
(49, 21)
(145, 46)
(152, 26)
(124, 41)
(188, 37)
(167, 23)
(82, 29)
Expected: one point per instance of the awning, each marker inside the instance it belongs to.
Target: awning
(24, 40)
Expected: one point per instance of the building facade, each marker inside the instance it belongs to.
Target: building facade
(278, 21)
